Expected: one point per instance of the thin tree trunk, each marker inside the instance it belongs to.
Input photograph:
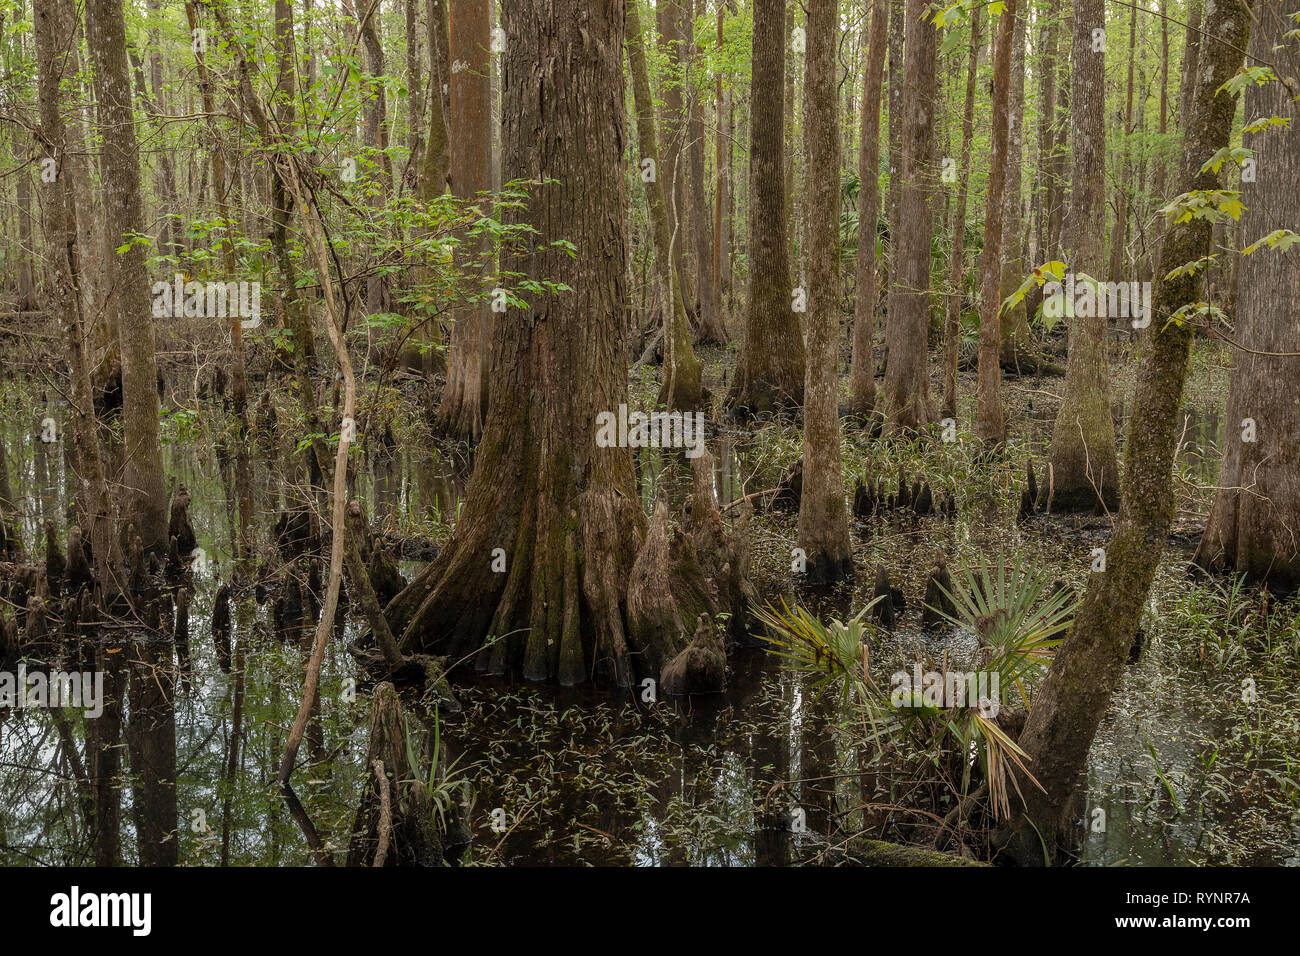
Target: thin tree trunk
(1191, 58)
(142, 472)
(907, 403)
(1161, 165)
(1069, 707)
(437, 158)
(1045, 185)
(957, 273)
(377, 133)
(823, 518)
(672, 117)
(1083, 471)
(1119, 233)
(990, 424)
(414, 83)
(897, 36)
(862, 380)
(26, 288)
(1013, 349)
(710, 327)
(55, 28)
(680, 388)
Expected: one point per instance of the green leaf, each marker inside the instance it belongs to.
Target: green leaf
(1191, 268)
(1282, 239)
(1051, 271)
(1268, 122)
(1259, 75)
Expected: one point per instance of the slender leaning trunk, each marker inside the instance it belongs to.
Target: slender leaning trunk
(1074, 698)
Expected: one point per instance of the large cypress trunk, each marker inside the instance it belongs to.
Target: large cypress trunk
(823, 518)
(770, 372)
(1254, 526)
(1070, 705)
(142, 472)
(906, 399)
(1083, 473)
(564, 510)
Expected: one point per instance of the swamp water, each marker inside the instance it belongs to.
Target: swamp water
(1183, 771)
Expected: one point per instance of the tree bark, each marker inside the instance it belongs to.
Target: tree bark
(990, 424)
(564, 510)
(55, 28)
(460, 413)
(1083, 470)
(823, 518)
(1116, 271)
(710, 325)
(680, 387)
(770, 371)
(897, 37)
(1191, 56)
(671, 36)
(721, 184)
(862, 373)
(1046, 187)
(146, 504)
(1074, 698)
(1254, 524)
(907, 403)
(437, 159)
(1013, 322)
(957, 271)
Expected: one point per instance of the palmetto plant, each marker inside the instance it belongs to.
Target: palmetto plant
(1006, 607)
(831, 653)
(1017, 621)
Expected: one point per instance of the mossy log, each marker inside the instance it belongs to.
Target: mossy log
(864, 852)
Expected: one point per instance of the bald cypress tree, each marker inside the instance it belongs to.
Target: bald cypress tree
(823, 518)
(1070, 705)
(1254, 524)
(120, 167)
(1083, 473)
(770, 371)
